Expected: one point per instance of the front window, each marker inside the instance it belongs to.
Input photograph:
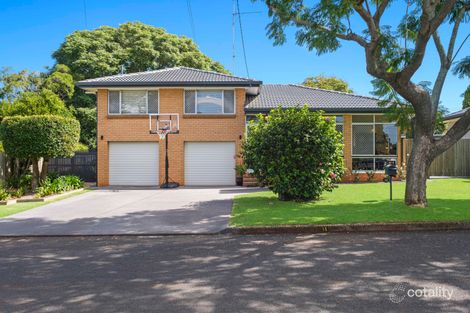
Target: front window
(132, 102)
(374, 142)
(209, 102)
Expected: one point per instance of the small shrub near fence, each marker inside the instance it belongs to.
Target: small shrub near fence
(55, 184)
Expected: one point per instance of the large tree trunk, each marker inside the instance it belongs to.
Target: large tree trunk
(416, 171)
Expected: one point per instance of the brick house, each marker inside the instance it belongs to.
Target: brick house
(213, 109)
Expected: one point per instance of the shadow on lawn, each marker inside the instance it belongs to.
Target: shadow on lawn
(317, 273)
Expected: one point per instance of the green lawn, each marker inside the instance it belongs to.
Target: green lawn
(449, 200)
(6, 210)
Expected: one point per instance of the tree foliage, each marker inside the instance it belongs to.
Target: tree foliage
(87, 119)
(37, 103)
(295, 152)
(60, 82)
(14, 84)
(328, 83)
(133, 46)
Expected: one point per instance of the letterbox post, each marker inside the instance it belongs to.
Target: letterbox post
(391, 171)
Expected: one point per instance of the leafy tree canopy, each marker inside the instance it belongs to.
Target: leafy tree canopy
(13, 84)
(328, 83)
(134, 46)
(60, 82)
(36, 103)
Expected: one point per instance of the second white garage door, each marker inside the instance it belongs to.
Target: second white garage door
(209, 163)
(133, 163)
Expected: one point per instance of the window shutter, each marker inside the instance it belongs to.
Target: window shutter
(229, 103)
(153, 101)
(113, 102)
(189, 101)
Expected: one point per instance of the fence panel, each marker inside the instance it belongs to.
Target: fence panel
(82, 164)
(453, 162)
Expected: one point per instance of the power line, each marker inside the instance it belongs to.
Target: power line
(85, 14)
(242, 38)
(191, 19)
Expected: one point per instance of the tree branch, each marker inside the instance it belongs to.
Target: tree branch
(380, 11)
(446, 61)
(460, 128)
(440, 48)
(350, 36)
(367, 17)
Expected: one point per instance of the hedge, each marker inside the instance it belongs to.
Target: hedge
(39, 136)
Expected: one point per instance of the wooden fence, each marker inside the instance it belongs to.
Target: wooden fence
(453, 162)
(82, 164)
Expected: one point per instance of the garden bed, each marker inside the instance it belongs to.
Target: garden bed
(19, 191)
(34, 198)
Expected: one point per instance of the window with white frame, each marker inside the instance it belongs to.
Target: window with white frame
(209, 102)
(132, 102)
(374, 142)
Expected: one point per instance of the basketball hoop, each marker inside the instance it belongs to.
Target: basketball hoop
(162, 133)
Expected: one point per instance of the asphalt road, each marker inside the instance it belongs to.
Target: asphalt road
(317, 273)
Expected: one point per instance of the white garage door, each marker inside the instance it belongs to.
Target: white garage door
(209, 163)
(133, 163)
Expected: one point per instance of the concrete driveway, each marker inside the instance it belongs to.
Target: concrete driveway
(129, 211)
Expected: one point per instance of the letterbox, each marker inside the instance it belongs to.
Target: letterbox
(391, 170)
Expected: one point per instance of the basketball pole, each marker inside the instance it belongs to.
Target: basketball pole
(167, 184)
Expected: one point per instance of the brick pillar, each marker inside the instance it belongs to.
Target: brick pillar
(347, 134)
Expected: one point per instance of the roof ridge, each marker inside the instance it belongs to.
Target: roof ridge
(135, 73)
(214, 72)
(334, 91)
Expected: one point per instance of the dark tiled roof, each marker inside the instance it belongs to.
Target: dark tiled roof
(176, 76)
(287, 96)
(456, 114)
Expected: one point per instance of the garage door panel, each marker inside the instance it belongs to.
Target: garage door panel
(209, 163)
(133, 163)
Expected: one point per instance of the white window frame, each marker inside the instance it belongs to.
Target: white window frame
(210, 89)
(146, 100)
(370, 156)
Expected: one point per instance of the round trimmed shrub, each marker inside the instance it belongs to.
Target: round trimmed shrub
(297, 153)
(39, 136)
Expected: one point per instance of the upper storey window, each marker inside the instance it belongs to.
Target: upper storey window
(209, 102)
(132, 102)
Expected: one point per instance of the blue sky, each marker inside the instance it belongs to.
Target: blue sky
(32, 29)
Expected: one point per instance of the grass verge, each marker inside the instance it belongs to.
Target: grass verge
(8, 210)
(449, 200)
